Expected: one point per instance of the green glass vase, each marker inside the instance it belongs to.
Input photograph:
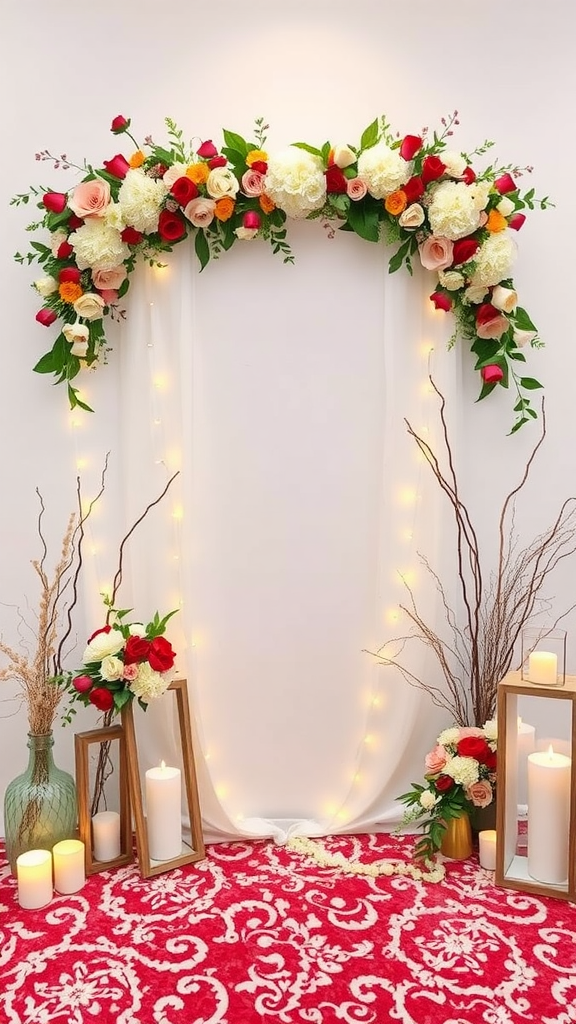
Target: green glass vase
(40, 806)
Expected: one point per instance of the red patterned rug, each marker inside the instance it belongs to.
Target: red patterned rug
(258, 933)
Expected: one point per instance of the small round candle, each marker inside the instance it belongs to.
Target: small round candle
(34, 872)
(487, 841)
(106, 835)
(543, 668)
(69, 872)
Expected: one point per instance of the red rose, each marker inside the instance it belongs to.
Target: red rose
(251, 220)
(464, 249)
(82, 683)
(46, 317)
(120, 124)
(64, 251)
(171, 226)
(486, 312)
(69, 274)
(74, 222)
(468, 175)
(217, 161)
(54, 201)
(432, 169)
(505, 184)
(335, 180)
(492, 374)
(118, 166)
(131, 236)
(101, 698)
(516, 221)
(443, 783)
(137, 648)
(184, 190)
(207, 150)
(161, 656)
(410, 146)
(260, 165)
(103, 629)
(413, 189)
(473, 746)
(490, 760)
(441, 301)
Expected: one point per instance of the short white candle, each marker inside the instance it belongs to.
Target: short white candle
(543, 668)
(69, 873)
(34, 872)
(106, 835)
(526, 743)
(548, 816)
(487, 841)
(164, 813)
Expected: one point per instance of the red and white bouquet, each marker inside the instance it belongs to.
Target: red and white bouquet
(122, 662)
(460, 775)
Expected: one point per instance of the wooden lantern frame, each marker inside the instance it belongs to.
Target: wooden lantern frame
(507, 860)
(82, 743)
(193, 851)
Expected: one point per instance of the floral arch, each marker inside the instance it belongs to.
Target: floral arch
(412, 192)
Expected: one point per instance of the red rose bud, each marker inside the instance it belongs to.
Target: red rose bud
(131, 236)
(55, 201)
(441, 301)
(171, 226)
(82, 683)
(410, 146)
(260, 165)
(492, 374)
(486, 312)
(97, 632)
(490, 760)
(184, 190)
(64, 251)
(69, 274)
(413, 189)
(251, 220)
(118, 166)
(432, 169)
(207, 150)
(46, 317)
(443, 783)
(120, 124)
(464, 249)
(161, 656)
(335, 179)
(505, 184)
(217, 161)
(468, 175)
(516, 221)
(101, 698)
(136, 649)
(74, 222)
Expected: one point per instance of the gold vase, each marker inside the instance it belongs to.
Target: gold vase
(457, 840)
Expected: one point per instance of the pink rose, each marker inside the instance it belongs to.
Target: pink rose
(490, 322)
(441, 301)
(110, 296)
(130, 672)
(436, 760)
(492, 374)
(82, 683)
(436, 253)
(207, 150)
(90, 198)
(109, 278)
(251, 220)
(356, 188)
(470, 730)
(46, 317)
(253, 183)
(480, 793)
(54, 201)
(200, 212)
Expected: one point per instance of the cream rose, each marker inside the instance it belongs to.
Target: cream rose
(173, 173)
(412, 216)
(436, 253)
(221, 182)
(246, 234)
(200, 211)
(475, 294)
(356, 188)
(111, 668)
(505, 299)
(505, 206)
(113, 278)
(89, 306)
(46, 286)
(77, 334)
(90, 198)
(343, 156)
(454, 163)
(451, 279)
(522, 338)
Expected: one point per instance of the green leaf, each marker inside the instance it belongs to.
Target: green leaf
(486, 390)
(325, 152)
(122, 697)
(369, 135)
(202, 248)
(529, 383)
(234, 141)
(522, 321)
(308, 148)
(364, 222)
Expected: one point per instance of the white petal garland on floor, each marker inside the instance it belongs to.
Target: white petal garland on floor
(431, 872)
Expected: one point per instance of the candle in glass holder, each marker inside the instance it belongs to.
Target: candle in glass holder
(543, 668)
(69, 872)
(34, 872)
(163, 812)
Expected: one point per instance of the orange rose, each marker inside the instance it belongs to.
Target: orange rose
(256, 155)
(396, 203)
(496, 222)
(266, 204)
(137, 159)
(69, 291)
(224, 208)
(198, 173)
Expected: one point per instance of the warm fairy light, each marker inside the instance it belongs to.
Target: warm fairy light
(159, 382)
(426, 348)
(407, 576)
(221, 792)
(426, 388)
(392, 615)
(156, 421)
(368, 740)
(160, 270)
(81, 463)
(178, 512)
(407, 534)
(375, 702)
(357, 778)
(407, 495)
(342, 815)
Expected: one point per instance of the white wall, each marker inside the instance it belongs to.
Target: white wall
(314, 70)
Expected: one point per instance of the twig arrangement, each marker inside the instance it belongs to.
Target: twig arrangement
(472, 658)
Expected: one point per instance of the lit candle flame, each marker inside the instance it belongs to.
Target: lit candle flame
(550, 751)
(162, 764)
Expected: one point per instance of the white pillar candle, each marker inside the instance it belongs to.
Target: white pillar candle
(543, 668)
(69, 873)
(34, 873)
(164, 813)
(106, 835)
(548, 816)
(526, 743)
(487, 841)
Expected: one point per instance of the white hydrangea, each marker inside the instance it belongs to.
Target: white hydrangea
(490, 730)
(383, 170)
(475, 294)
(102, 645)
(140, 199)
(481, 193)
(113, 216)
(453, 212)
(295, 182)
(494, 260)
(98, 246)
(451, 279)
(464, 770)
(449, 736)
(149, 684)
